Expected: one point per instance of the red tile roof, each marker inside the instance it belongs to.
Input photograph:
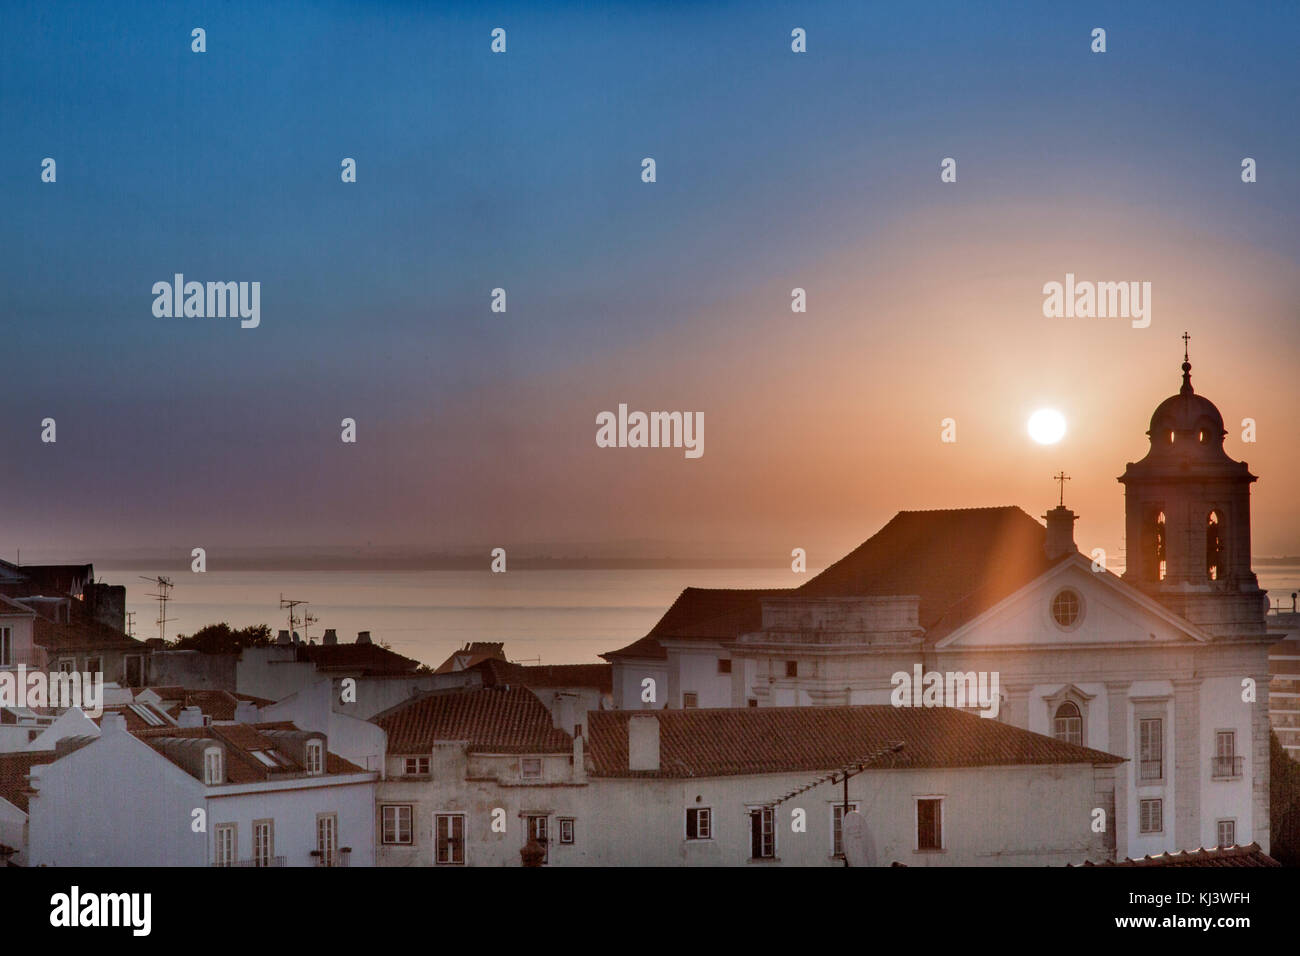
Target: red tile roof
(959, 562)
(599, 677)
(240, 741)
(369, 659)
(1224, 856)
(748, 740)
(490, 719)
(473, 654)
(14, 768)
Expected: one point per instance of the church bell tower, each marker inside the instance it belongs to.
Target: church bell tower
(1187, 519)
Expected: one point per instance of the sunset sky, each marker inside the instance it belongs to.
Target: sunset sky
(522, 170)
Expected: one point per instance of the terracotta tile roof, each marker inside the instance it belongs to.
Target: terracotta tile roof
(241, 740)
(597, 676)
(81, 632)
(473, 654)
(489, 719)
(14, 768)
(748, 740)
(959, 562)
(367, 658)
(1250, 855)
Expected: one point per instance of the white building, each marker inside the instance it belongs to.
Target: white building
(1167, 665)
(473, 776)
(222, 794)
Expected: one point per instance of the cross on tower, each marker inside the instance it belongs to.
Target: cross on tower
(1062, 478)
(1186, 339)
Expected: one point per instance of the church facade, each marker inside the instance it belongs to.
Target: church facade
(1166, 666)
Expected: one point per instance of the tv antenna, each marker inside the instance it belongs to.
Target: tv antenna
(164, 585)
(130, 623)
(294, 619)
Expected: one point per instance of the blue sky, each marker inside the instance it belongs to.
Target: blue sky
(477, 170)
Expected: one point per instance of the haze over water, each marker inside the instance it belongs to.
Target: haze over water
(563, 617)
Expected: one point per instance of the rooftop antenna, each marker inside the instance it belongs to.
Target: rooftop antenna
(308, 619)
(292, 607)
(130, 623)
(164, 585)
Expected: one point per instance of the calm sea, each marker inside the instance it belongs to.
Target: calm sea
(561, 617)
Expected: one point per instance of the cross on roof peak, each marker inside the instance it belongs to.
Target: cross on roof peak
(1062, 478)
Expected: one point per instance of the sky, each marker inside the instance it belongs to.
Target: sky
(523, 171)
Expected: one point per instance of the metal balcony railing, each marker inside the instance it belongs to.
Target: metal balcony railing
(1225, 767)
(266, 861)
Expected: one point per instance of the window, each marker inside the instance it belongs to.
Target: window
(837, 827)
(263, 842)
(396, 825)
(449, 835)
(67, 665)
(1067, 725)
(1151, 816)
(566, 831)
(535, 829)
(699, 823)
(752, 702)
(224, 839)
(6, 646)
(327, 839)
(134, 670)
(1227, 832)
(791, 668)
(417, 765)
(724, 665)
(94, 665)
(1214, 546)
(214, 770)
(1161, 555)
(690, 699)
(1226, 761)
(929, 823)
(315, 757)
(1066, 608)
(762, 833)
(1151, 748)
(530, 768)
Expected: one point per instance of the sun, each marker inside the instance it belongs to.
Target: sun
(1047, 426)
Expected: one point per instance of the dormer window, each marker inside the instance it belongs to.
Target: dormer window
(315, 757)
(530, 768)
(214, 767)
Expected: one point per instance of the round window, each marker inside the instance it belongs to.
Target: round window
(1067, 607)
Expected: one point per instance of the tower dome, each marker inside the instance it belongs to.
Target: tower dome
(1186, 422)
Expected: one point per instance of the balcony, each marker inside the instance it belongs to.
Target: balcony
(271, 861)
(341, 857)
(1150, 770)
(1226, 768)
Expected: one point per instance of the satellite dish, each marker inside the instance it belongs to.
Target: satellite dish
(859, 848)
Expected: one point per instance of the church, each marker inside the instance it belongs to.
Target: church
(1166, 666)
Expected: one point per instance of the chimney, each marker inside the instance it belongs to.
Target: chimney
(331, 637)
(245, 712)
(579, 767)
(111, 725)
(1060, 532)
(643, 742)
(190, 717)
(363, 637)
(282, 637)
(564, 714)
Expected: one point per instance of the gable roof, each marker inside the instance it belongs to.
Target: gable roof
(753, 740)
(958, 562)
(1224, 856)
(472, 654)
(240, 741)
(489, 719)
(599, 677)
(369, 659)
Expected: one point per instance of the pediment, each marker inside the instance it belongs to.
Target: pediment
(1110, 612)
